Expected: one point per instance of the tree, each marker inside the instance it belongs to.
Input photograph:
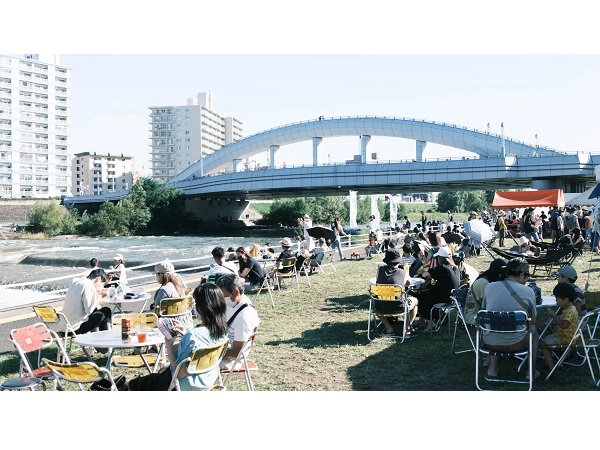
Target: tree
(47, 218)
(461, 201)
(285, 212)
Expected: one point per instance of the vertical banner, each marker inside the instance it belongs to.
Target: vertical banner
(375, 209)
(393, 211)
(353, 209)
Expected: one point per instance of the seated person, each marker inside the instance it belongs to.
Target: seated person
(568, 274)
(444, 277)
(210, 308)
(407, 257)
(170, 285)
(391, 273)
(82, 303)
(241, 317)
(278, 270)
(525, 248)
(476, 291)
(319, 250)
(249, 268)
(563, 325)
(220, 265)
(373, 246)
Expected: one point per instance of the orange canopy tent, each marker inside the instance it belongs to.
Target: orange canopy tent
(523, 199)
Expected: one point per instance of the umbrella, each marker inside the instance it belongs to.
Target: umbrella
(596, 192)
(479, 231)
(320, 231)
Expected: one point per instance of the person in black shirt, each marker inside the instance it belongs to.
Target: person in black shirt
(249, 267)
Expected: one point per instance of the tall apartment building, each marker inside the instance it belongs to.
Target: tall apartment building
(181, 135)
(34, 126)
(95, 174)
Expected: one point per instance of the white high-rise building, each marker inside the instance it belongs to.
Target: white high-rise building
(95, 174)
(34, 126)
(180, 135)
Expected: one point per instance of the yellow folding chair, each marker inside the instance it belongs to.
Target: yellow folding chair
(179, 308)
(138, 361)
(79, 373)
(201, 361)
(50, 315)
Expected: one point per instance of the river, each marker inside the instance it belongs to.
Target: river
(35, 260)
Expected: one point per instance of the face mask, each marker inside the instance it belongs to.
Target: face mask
(229, 301)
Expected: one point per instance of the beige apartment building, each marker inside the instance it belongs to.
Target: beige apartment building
(181, 135)
(95, 174)
(35, 119)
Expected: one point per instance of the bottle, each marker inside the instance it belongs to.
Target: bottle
(125, 329)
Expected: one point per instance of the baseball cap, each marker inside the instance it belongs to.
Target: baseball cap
(568, 271)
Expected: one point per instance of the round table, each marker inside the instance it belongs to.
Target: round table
(414, 282)
(111, 339)
(116, 303)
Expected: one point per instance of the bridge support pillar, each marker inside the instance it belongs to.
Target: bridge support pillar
(567, 185)
(236, 163)
(364, 141)
(316, 142)
(274, 149)
(420, 149)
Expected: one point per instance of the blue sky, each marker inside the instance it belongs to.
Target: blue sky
(549, 95)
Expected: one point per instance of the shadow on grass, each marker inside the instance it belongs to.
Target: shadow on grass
(346, 304)
(329, 334)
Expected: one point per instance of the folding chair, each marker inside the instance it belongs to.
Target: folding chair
(242, 364)
(80, 372)
(504, 322)
(327, 261)
(580, 341)
(200, 362)
(178, 308)
(21, 383)
(35, 338)
(459, 298)
(287, 263)
(390, 301)
(268, 286)
(137, 361)
(49, 315)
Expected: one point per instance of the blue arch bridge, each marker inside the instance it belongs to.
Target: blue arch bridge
(219, 184)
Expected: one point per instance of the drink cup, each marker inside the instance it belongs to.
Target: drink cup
(142, 334)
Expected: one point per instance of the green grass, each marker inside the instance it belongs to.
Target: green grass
(315, 339)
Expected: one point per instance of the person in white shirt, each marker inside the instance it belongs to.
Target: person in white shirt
(82, 307)
(241, 316)
(320, 250)
(306, 223)
(118, 272)
(220, 265)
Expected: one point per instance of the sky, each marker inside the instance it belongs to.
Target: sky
(533, 65)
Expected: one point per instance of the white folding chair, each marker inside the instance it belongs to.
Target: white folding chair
(242, 364)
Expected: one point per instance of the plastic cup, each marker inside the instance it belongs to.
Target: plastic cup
(142, 334)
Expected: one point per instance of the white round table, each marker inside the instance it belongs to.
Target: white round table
(111, 339)
(116, 303)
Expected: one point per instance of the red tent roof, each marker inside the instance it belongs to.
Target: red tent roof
(523, 199)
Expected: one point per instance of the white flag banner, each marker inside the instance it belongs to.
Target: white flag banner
(353, 209)
(375, 209)
(393, 211)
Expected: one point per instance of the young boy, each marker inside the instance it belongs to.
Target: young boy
(563, 326)
(568, 274)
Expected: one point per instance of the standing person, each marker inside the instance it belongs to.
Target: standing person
(511, 294)
(338, 231)
(210, 309)
(170, 286)
(306, 223)
(529, 225)
(449, 219)
(423, 220)
(250, 268)
(241, 316)
(373, 225)
(82, 303)
(501, 228)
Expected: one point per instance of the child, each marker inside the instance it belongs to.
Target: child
(563, 326)
(568, 274)
(373, 246)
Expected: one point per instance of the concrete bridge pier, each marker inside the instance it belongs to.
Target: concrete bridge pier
(420, 149)
(218, 209)
(567, 185)
(364, 141)
(273, 150)
(316, 142)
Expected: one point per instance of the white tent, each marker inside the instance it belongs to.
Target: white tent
(582, 199)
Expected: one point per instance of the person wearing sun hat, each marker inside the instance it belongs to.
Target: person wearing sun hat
(170, 285)
(568, 274)
(391, 273)
(442, 279)
(286, 246)
(117, 271)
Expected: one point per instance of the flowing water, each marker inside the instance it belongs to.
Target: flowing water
(27, 261)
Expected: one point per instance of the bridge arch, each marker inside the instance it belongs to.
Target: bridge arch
(481, 143)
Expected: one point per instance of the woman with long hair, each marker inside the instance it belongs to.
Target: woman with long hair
(249, 267)
(209, 307)
(496, 272)
(169, 281)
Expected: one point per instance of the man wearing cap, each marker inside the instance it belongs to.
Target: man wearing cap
(568, 274)
(501, 228)
(511, 294)
(82, 307)
(443, 278)
(391, 273)
(286, 245)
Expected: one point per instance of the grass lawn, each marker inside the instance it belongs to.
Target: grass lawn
(315, 339)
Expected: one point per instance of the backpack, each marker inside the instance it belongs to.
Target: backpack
(571, 221)
(497, 227)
